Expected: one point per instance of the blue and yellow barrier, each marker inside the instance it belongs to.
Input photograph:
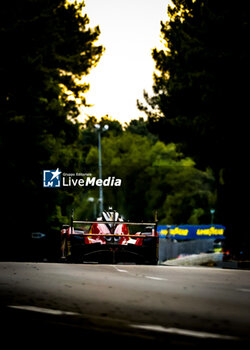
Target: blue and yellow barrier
(191, 231)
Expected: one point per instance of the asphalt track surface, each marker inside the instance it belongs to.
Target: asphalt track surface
(91, 305)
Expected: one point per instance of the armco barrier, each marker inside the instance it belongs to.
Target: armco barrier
(170, 249)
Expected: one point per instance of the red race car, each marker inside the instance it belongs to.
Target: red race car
(109, 239)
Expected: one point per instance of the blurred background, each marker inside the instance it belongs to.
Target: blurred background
(184, 155)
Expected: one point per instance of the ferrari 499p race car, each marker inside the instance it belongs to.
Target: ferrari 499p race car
(109, 239)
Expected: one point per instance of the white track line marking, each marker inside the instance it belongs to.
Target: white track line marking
(120, 270)
(243, 290)
(179, 331)
(156, 278)
(42, 310)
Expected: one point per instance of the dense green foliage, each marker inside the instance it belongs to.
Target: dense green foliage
(155, 177)
(46, 47)
(200, 97)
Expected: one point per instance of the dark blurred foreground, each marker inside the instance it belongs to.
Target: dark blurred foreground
(32, 328)
(72, 304)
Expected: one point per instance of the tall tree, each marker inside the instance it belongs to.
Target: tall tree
(155, 177)
(200, 95)
(47, 47)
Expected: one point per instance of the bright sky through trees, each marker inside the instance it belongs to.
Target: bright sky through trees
(130, 29)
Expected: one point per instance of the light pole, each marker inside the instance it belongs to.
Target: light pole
(212, 211)
(99, 131)
(92, 200)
